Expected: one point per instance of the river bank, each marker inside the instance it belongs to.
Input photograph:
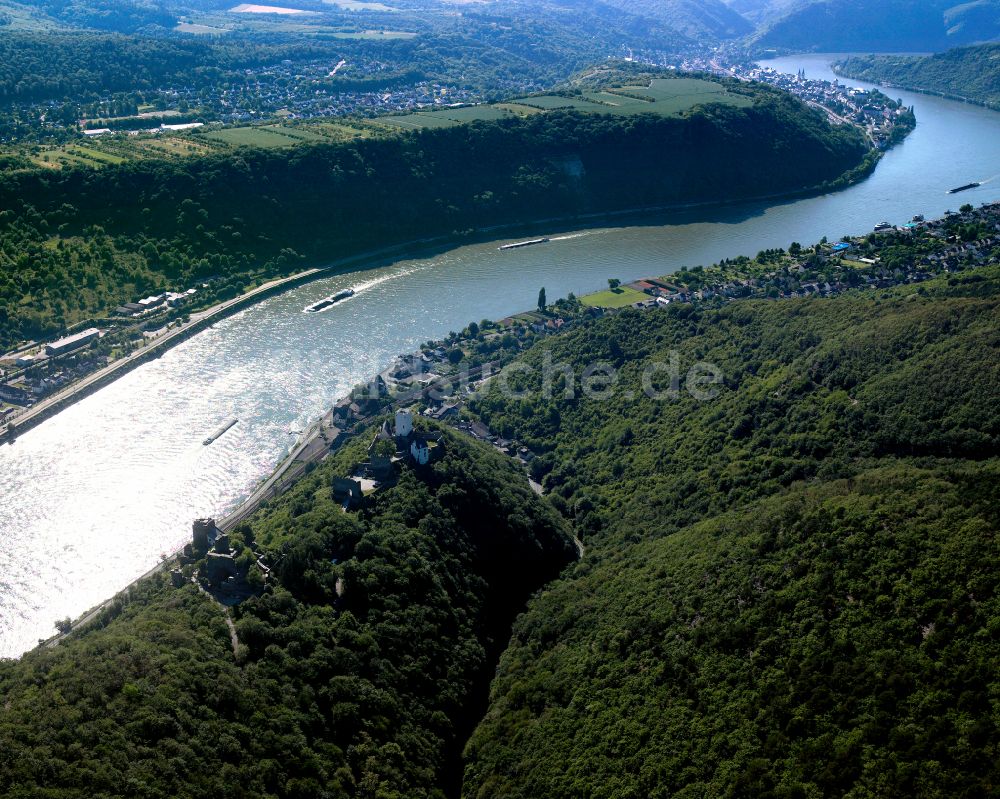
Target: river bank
(324, 437)
(202, 320)
(96, 494)
(958, 98)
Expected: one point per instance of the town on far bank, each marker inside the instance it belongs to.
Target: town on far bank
(440, 380)
(889, 256)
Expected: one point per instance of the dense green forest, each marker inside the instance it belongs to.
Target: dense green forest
(78, 242)
(78, 67)
(789, 590)
(969, 73)
(360, 671)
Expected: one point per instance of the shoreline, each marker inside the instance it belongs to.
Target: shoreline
(928, 92)
(370, 259)
(292, 466)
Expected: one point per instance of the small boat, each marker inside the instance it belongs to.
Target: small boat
(966, 187)
(326, 302)
(519, 244)
(221, 432)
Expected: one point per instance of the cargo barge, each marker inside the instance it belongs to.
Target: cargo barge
(326, 302)
(221, 432)
(966, 187)
(519, 244)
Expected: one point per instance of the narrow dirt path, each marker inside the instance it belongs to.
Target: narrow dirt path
(233, 637)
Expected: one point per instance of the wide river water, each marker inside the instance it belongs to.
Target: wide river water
(91, 498)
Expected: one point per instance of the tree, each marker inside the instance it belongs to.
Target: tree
(613, 283)
(541, 299)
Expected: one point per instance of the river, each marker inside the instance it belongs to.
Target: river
(94, 496)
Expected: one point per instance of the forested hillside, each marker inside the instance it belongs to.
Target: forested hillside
(81, 66)
(970, 73)
(790, 589)
(79, 242)
(360, 671)
(701, 20)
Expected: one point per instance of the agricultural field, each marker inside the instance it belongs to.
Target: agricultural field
(333, 131)
(72, 155)
(114, 149)
(250, 8)
(447, 117)
(614, 298)
(553, 102)
(268, 137)
(665, 96)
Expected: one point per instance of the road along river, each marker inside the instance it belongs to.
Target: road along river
(91, 498)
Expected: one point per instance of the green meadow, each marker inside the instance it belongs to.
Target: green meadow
(614, 298)
(663, 96)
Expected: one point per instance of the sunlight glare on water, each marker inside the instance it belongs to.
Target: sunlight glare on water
(91, 498)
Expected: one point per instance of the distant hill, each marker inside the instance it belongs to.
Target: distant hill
(758, 11)
(126, 16)
(969, 73)
(697, 19)
(881, 25)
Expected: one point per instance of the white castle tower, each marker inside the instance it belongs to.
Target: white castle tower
(404, 423)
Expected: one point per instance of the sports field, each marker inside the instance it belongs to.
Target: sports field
(614, 298)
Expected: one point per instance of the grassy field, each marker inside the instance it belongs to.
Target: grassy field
(664, 96)
(614, 298)
(447, 117)
(268, 137)
(553, 102)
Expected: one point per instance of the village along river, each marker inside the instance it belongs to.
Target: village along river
(91, 498)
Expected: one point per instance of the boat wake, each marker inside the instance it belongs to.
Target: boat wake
(346, 294)
(378, 281)
(576, 235)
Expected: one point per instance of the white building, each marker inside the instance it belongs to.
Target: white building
(74, 342)
(420, 451)
(404, 423)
